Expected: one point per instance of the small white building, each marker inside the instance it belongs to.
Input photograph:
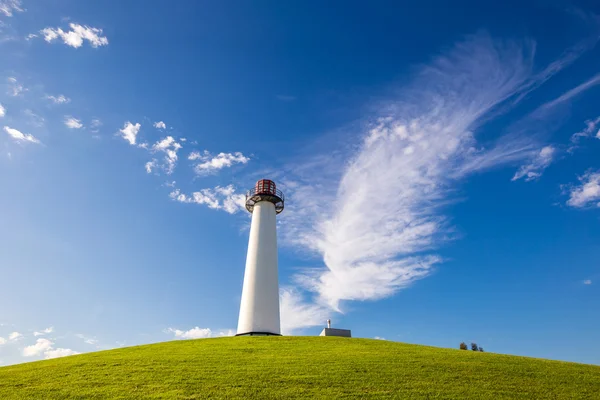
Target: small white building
(329, 331)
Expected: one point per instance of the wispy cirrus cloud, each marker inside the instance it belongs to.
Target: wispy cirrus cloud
(595, 80)
(43, 331)
(87, 339)
(160, 125)
(76, 36)
(534, 169)
(386, 211)
(95, 125)
(14, 87)
(19, 136)
(587, 192)
(9, 7)
(34, 119)
(379, 208)
(209, 164)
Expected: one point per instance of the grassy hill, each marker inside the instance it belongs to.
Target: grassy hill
(296, 367)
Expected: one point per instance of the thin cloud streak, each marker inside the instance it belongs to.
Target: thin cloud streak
(9, 7)
(590, 83)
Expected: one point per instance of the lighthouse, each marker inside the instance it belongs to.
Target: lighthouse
(259, 309)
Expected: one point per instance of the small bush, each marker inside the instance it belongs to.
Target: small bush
(463, 346)
(474, 346)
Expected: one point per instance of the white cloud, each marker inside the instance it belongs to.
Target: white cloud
(44, 331)
(45, 346)
(2, 341)
(76, 35)
(60, 99)
(86, 339)
(587, 193)
(95, 125)
(199, 333)
(19, 136)
(379, 338)
(130, 131)
(297, 314)
(40, 346)
(150, 165)
(196, 155)
(160, 125)
(2, 111)
(587, 282)
(169, 146)
(34, 119)
(73, 123)
(15, 336)
(210, 164)
(59, 352)
(219, 198)
(592, 128)
(534, 169)
(14, 87)
(379, 212)
(8, 7)
(194, 333)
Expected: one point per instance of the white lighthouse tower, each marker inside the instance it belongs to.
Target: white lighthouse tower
(259, 310)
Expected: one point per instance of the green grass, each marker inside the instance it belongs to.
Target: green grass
(296, 367)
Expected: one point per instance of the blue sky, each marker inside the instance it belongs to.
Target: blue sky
(440, 166)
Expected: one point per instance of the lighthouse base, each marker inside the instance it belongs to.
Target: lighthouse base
(258, 334)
